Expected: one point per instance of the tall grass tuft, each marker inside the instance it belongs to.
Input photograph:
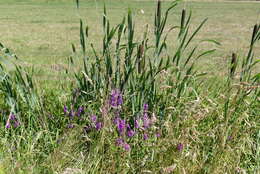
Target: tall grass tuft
(125, 65)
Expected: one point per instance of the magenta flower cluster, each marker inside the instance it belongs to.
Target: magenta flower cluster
(120, 142)
(180, 147)
(115, 101)
(73, 114)
(145, 122)
(94, 124)
(126, 129)
(141, 126)
(12, 121)
(116, 98)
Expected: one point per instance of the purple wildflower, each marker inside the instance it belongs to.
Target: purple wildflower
(116, 120)
(80, 110)
(180, 147)
(12, 120)
(146, 121)
(93, 118)
(145, 107)
(130, 133)
(12, 117)
(98, 126)
(136, 124)
(71, 114)
(65, 109)
(16, 123)
(119, 141)
(121, 126)
(8, 125)
(145, 136)
(126, 147)
(158, 134)
(116, 98)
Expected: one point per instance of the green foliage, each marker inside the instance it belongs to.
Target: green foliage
(206, 125)
(134, 65)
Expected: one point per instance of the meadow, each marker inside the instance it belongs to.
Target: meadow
(41, 32)
(129, 87)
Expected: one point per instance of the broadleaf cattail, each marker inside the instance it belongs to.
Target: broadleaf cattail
(158, 14)
(183, 16)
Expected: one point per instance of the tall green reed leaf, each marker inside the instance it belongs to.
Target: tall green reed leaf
(124, 64)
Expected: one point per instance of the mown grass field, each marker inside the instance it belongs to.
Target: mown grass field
(153, 92)
(40, 32)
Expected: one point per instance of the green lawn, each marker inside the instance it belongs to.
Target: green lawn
(40, 32)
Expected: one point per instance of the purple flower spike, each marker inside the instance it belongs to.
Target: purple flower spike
(93, 118)
(158, 134)
(127, 147)
(116, 120)
(121, 126)
(71, 114)
(130, 133)
(12, 117)
(119, 141)
(136, 124)
(8, 125)
(116, 98)
(80, 110)
(145, 136)
(16, 124)
(145, 107)
(180, 147)
(146, 121)
(65, 109)
(98, 126)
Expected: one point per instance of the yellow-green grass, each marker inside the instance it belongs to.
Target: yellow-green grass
(40, 32)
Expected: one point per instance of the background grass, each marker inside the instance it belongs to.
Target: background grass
(40, 32)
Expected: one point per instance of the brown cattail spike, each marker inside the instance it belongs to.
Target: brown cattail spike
(233, 65)
(159, 10)
(255, 30)
(183, 15)
(158, 14)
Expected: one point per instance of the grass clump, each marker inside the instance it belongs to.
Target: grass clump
(135, 106)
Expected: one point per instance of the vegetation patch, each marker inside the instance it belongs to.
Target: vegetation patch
(134, 104)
